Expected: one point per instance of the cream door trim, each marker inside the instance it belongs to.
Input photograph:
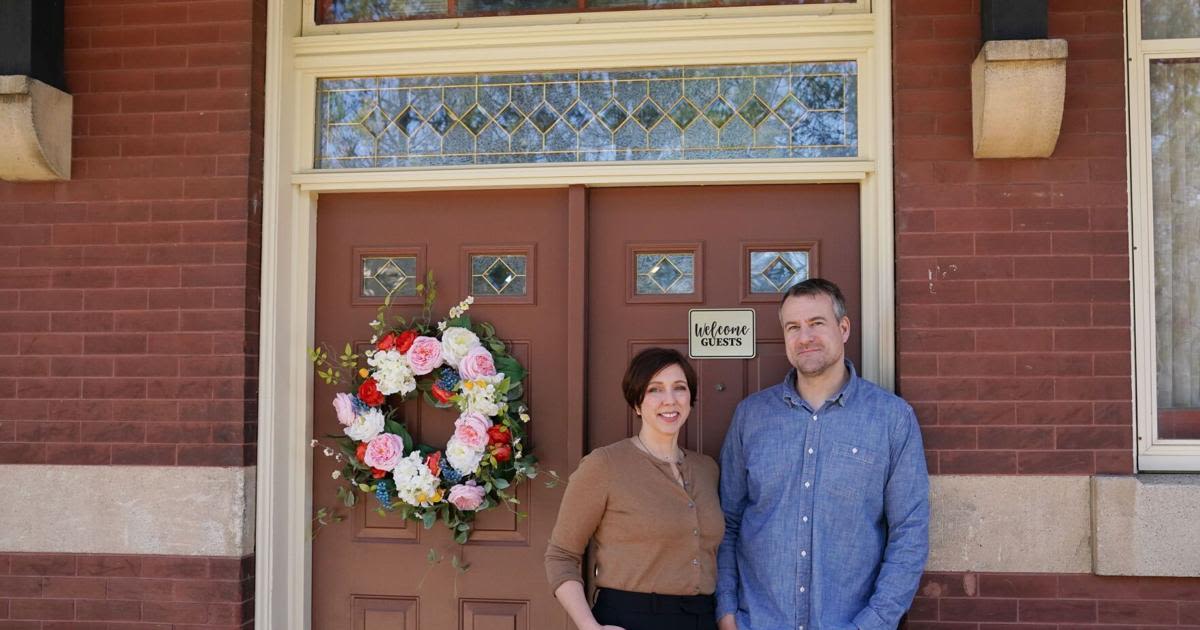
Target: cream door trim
(729, 36)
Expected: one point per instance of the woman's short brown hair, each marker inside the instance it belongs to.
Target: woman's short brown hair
(645, 365)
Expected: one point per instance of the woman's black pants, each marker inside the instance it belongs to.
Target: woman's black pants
(651, 611)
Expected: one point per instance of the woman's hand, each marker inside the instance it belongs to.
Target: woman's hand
(728, 622)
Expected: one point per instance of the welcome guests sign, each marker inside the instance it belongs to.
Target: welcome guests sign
(721, 333)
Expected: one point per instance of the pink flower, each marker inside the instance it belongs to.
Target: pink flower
(472, 430)
(466, 496)
(477, 364)
(344, 405)
(424, 355)
(384, 451)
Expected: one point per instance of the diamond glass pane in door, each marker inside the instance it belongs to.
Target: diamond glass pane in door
(503, 275)
(665, 274)
(774, 272)
(384, 276)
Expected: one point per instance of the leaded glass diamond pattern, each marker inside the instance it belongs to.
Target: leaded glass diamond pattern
(664, 273)
(389, 275)
(775, 271)
(499, 275)
(688, 113)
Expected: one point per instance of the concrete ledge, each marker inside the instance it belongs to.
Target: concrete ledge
(189, 511)
(1147, 525)
(1009, 523)
(35, 130)
(1018, 88)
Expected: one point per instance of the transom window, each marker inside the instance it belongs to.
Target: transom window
(344, 11)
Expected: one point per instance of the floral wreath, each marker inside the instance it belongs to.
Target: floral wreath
(453, 364)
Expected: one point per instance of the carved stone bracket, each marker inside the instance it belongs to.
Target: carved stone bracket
(35, 129)
(1017, 93)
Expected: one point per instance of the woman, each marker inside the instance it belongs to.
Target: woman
(651, 511)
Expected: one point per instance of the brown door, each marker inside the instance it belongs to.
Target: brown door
(653, 254)
(370, 572)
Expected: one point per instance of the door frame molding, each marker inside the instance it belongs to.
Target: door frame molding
(636, 39)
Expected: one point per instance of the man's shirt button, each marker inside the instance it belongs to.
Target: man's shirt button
(801, 589)
(810, 451)
(804, 518)
(806, 484)
(803, 553)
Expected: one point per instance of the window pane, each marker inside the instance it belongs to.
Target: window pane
(1175, 151)
(665, 274)
(775, 271)
(503, 275)
(1170, 19)
(799, 110)
(384, 276)
(343, 11)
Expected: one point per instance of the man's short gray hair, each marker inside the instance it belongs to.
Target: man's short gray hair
(818, 286)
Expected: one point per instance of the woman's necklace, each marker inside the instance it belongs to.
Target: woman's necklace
(666, 460)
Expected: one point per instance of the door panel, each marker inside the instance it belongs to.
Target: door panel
(721, 228)
(371, 572)
(653, 253)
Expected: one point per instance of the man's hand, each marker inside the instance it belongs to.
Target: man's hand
(727, 622)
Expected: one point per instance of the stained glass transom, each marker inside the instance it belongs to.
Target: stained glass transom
(389, 275)
(342, 11)
(774, 272)
(503, 275)
(698, 113)
(665, 274)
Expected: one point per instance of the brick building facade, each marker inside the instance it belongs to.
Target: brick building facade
(130, 314)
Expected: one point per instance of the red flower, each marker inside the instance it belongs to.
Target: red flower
(361, 452)
(405, 340)
(498, 434)
(368, 392)
(387, 342)
(441, 395)
(434, 462)
(378, 474)
(502, 452)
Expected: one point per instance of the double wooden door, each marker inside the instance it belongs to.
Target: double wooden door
(630, 263)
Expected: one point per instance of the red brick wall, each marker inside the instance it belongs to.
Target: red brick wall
(61, 592)
(994, 601)
(1014, 329)
(129, 295)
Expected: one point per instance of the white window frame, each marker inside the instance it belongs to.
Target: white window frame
(1154, 454)
(299, 52)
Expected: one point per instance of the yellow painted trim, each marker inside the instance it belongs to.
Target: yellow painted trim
(1153, 452)
(593, 175)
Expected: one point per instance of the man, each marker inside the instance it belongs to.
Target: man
(824, 489)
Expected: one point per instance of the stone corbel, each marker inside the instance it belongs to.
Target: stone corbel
(35, 129)
(1017, 93)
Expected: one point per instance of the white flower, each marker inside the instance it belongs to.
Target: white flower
(479, 395)
(336, 474)
(415, 485)
(524, 417)
(462, 457)
(456, 343)
(313, 443)
(328, 452)
(366, 426)
(392, 373)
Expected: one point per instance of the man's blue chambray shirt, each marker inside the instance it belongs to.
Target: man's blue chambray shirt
(826, 511)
